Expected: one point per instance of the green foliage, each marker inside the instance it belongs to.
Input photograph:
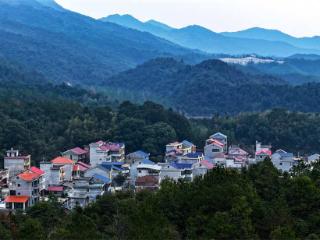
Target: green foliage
(225, 204)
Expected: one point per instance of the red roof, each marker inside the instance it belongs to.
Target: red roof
(207, 164)
(78, 151)
(55, 189)
(37, 170)
(29, 176)
(80, 166)
(16, 199)
(216, 142)
(62, 161)
(264, 152)
(147, 181)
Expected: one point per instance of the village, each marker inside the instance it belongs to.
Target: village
(80, 175)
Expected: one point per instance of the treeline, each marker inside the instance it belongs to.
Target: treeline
(44, 120)
(258, 203)
(292, 131)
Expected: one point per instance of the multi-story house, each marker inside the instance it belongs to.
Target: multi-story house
(15, 162)
(106, 152)
(283, 160)
(262, 152)
(25, 189)
(76, 154)
(136, 157)
(213, 148)
(220, 138)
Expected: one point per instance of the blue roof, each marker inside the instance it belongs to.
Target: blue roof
(112, 165)
(102, 178)
(194, 155)
(181, 165)
(284, 154)
(147, 161)
(187, 143)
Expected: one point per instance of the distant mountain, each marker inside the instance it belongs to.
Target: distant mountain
(197, 37)
(211, 87)
(275, 35)
(69, 47)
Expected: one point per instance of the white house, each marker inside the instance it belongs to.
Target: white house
(76, 154)
(283, 160)
(313, 158)
(213, 149)
(262, 152)
(106, 152)
(16, 163)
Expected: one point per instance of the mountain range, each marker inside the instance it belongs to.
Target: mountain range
(256, 40)
(69, 47)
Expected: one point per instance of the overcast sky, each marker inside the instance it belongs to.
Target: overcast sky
(296, 17)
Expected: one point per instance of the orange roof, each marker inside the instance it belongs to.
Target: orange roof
(16, 199)
(62, 161)
(29, 176)
(37, 170)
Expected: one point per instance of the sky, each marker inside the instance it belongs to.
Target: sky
(296, 17)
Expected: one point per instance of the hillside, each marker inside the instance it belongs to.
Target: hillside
(198, 37)
(212, 87)
(69, 47)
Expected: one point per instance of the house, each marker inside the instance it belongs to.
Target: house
(76, 154)
(79, 169)
(313, 158)
(86, 190)
(57, 171)
(106, 169)
(15, 162)
(147, 183)
(27, 187)
(56, 190)
(192, 157)
(176, 171)
(283, 160)
(213, 149)
(66, 167)
(219, 159)
(142, 168)
(231, 162)
(176, 149)
(220, 138)
(137, 156)
(201, 168)
(106, 152)
(262, 152)
(238, 153)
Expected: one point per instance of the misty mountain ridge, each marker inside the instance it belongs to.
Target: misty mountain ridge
(252, 41)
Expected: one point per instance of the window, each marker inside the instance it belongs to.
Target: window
(19, 185)
(281, 164)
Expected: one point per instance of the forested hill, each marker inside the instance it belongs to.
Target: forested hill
(258, 203)
(213, 87)
(69, 47)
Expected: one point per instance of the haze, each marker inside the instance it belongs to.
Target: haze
(296, 17)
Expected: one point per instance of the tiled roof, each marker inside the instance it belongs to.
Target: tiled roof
(114, 147)
(216, 142)
(37, 170)
(62, 161)
(207, 164)
(218, 135)
(55, 189)
(194, 155)
(102, 178)
(29, 176)
(16, 199)
(264, 152)
(78, 151)
(181, 165)
(147, 181)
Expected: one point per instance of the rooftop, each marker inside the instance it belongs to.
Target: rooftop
(16, 199)
(37, 170)
(62, 161)
(29, 176)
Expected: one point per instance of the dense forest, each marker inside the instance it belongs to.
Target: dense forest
(212, 87)
(258, 203)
